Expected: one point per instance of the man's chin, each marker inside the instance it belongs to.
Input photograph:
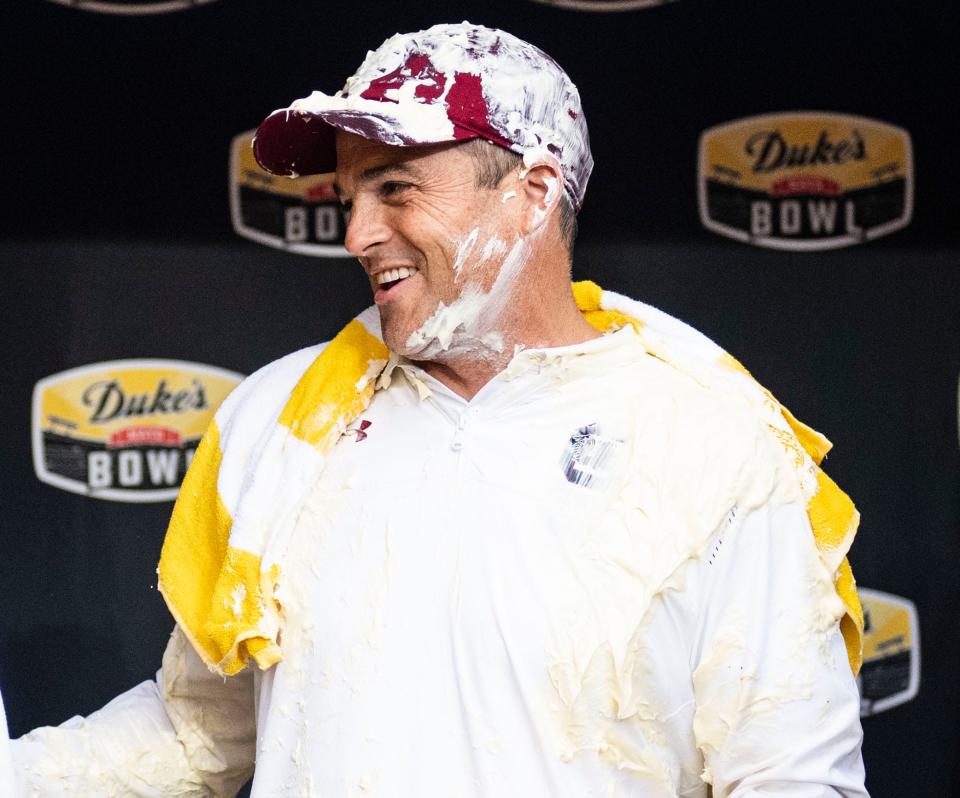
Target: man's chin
(396, 333)
(410, 344)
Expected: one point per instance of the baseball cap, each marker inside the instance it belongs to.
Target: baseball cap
(447, 83)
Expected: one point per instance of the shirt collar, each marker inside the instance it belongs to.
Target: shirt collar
(570, 358)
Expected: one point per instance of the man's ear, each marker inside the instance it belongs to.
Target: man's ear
(541, 186)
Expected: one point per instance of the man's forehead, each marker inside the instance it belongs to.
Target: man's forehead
(359, 164)
(355, 153)
(347, 179)
(360, 160)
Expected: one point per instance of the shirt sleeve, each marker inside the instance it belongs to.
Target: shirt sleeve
(188, 734)
(777, 706)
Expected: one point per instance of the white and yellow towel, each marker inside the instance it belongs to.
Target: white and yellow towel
(267, 444)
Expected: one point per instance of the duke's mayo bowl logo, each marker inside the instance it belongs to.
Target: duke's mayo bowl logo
(300, 214)
(603, 5)
(890, 675)
(131, 7)
(124, 430)
(805, 180)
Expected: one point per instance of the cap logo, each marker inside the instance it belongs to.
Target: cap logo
(466, 106)
(417, 67)
(467, 109)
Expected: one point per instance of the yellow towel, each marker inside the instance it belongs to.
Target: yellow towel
(267, 445)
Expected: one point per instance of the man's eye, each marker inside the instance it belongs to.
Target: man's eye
(392, 188)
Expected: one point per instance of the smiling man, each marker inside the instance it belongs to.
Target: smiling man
(501, 536)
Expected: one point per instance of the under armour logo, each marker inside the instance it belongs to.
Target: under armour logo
(360, 431)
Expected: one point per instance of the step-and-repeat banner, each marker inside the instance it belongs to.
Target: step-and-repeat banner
(796, 219)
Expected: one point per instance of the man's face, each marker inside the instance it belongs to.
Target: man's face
(421, 230)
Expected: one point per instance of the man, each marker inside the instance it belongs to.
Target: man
(566, 548)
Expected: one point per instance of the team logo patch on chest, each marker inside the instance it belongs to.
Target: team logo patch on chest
(591, 457)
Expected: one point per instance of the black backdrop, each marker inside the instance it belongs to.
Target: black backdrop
(118, 244)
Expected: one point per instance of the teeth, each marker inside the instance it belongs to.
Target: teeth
(390, 275)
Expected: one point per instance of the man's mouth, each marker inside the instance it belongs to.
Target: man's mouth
(389, 279)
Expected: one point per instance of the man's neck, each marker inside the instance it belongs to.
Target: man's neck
(466, 375)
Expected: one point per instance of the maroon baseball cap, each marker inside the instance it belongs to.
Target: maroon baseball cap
(447, 83)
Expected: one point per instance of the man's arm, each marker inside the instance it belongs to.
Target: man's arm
(189, 734)
(777, 705)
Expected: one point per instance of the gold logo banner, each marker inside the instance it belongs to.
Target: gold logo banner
(805, 180)
(124, 430)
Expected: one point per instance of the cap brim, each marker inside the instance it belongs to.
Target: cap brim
(294, 142)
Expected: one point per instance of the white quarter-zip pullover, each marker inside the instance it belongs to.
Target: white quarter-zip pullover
(595, 578)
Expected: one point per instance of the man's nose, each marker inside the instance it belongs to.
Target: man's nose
(367, 227)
